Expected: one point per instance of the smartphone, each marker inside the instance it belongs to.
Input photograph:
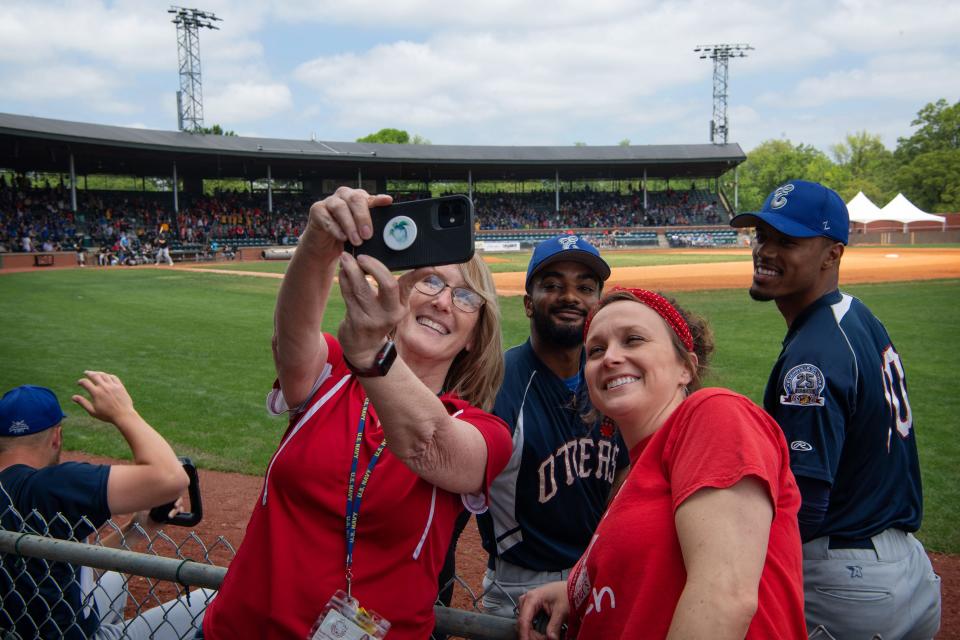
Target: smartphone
(420, 233)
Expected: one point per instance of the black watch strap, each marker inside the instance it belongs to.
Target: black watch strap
(381, 362)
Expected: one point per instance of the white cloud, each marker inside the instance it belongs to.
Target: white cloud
(913, 77)
(872, 25)
(498, 72)
(589, 72)
(438, 13)
(57, 82)
(121, 36)
(246, 102)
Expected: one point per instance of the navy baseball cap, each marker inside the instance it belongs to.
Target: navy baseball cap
(29, 409)
(564, 248)
(802, 209)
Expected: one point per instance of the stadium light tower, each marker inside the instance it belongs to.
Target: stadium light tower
(721, 54)
(190, 96)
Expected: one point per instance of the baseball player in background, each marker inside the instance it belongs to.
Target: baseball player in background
(545, 506)
(163, 250)
(839, 391)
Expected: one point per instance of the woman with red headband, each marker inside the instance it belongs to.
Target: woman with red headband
(702, 540)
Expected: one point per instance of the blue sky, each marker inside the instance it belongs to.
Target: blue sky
(499, 72)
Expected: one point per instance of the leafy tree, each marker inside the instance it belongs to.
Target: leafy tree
(939, 130)
(387, 136)
(393, 136)
(579, 144)
(624, 143)
(215, 130)
(930, 158)
(864, 164)
(932, 180)
(773, 162)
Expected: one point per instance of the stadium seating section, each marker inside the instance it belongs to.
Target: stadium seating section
(125, 224)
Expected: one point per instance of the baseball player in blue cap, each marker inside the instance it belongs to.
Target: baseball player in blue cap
(546, 504)
(839, 392)
(70, 500)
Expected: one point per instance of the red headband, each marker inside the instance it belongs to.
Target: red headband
(659, 304)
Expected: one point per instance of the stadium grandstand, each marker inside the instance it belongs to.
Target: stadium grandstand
(647, 195)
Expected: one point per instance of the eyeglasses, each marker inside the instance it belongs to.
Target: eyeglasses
(466, 300)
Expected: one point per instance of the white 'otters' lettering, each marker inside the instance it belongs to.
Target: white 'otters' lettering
(575, 459)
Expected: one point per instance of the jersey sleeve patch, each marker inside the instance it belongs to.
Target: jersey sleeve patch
(803, 386)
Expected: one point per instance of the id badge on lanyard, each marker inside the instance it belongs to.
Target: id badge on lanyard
(342, 617)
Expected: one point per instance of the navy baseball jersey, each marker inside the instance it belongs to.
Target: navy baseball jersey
(839, 391)
(547, 502)
(66, 501)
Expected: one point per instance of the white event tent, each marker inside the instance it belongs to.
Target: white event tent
(899, 209)
(862, 209)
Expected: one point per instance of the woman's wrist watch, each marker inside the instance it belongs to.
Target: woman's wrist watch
(381, 362)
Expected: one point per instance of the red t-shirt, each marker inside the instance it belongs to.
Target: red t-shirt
(292, 557)
(628, 582)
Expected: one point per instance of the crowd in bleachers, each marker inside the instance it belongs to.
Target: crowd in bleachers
(681, 207)
(124, 226)
(588, 209)
(699, 239)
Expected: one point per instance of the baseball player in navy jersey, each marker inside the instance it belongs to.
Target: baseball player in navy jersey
(839, 392)
(545, 505)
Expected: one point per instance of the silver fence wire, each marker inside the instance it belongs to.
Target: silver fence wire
(62, 579)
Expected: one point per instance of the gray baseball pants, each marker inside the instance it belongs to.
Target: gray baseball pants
(886, 592)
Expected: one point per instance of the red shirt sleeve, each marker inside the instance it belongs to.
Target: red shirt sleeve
(494, 431)
(719, 441)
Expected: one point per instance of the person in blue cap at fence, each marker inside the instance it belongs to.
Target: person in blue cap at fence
(545, 506)
(839, 392)
(39, 494)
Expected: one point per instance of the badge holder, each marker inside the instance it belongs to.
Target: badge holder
(344, 619)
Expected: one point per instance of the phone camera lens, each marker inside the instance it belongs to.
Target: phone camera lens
(451, 214)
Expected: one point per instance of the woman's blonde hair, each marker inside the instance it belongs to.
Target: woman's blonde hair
(476, 374)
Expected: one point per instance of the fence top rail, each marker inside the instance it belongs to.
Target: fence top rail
(466, 624)
(185, 572)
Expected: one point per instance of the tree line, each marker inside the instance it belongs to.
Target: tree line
(925, 166)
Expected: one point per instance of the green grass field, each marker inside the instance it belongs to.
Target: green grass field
(517, 261)
(194, 350)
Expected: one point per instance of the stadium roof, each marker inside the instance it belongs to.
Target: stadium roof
(41, 144)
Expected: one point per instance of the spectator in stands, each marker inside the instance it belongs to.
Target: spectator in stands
(402, 392)
(69, 501)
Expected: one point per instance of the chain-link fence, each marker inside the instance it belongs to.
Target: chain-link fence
(62, 579)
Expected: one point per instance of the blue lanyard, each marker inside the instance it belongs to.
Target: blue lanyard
(353, 501)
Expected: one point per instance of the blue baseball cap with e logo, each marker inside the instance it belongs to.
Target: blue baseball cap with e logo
(802, 209)
(563, 248)
(29, 409)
